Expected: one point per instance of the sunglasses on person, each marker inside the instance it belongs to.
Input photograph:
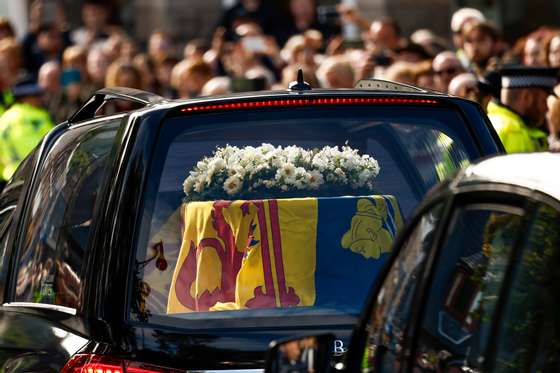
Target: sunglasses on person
(448, 71)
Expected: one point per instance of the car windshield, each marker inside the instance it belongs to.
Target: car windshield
(284, 211)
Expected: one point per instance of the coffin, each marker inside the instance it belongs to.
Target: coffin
(276, 253)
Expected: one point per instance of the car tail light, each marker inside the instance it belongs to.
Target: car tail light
(308, 102)
(86, 363)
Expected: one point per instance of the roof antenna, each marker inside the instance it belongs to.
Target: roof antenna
(300, 85)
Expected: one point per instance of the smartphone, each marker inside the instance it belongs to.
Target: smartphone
(253, 44)
(328, 14)
(49, 10)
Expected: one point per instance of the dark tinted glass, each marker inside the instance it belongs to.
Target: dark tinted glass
(394, 303)
(60, 215)
(9, 198)
(259, 211)
(467, 280)
(529, 338)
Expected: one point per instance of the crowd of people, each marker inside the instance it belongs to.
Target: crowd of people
(58, 68)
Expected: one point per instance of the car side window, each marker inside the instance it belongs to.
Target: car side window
(529, 329)
(466, 284)
(393, 306)
(8, 202)
(60, 215)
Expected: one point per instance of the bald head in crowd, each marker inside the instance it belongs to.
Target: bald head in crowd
(219, 85)
(97, 65)
(336, 72)
(446, 66)
(464, 85)
(384, 33)
(49, 77)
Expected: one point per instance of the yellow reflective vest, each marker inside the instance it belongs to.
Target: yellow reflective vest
(22, 127)
(451, 159)
(516, 136)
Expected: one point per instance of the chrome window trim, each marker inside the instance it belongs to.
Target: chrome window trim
(8, 209)
(52, 307)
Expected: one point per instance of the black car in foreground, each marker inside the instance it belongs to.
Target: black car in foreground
(188, 234)
(473, 284)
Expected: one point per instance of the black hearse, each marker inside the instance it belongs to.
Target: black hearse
(189, 234)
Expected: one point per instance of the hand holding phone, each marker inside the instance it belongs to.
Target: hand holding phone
(254, 44)
(49, 12)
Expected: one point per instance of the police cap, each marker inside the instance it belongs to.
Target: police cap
(529, 77)
(26, 89)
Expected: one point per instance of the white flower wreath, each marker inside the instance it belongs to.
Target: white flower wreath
(264, 171)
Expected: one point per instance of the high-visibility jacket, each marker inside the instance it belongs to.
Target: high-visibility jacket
(516, 136)
(22, 127)
(452, 159)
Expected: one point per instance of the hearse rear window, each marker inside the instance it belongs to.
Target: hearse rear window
(283, 211)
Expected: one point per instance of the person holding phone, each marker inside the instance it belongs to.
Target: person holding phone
(95, 17)
(47, 37)
(253, 49)
(255, 11)
(302, 16)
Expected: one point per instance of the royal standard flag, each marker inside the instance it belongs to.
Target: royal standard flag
(281, 252)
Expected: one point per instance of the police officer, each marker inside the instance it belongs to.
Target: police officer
(520, 116)
(22, 127)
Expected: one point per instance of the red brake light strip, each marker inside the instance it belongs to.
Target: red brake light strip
(306, 102)
(89, 363)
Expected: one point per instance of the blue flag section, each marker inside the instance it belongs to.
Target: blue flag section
(354, 238)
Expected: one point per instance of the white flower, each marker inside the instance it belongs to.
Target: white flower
(249, 168)
(374, 166)
(287, 172)
(199, 186)
(338, 172)
(293, 153)
(188, 185)
(277, 160)
(202, 165)
(216, 164)
(300, 172)
(267, 148)
(315, 179)
(237, 170)
(233, 185)
(364, 176)
(319, 162)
